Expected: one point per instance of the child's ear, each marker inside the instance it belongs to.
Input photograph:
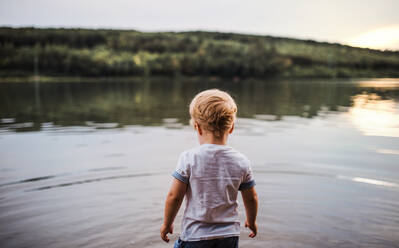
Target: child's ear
(198, 128)
(232, 128)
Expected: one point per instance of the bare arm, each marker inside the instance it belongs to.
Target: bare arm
(250, 199)
(172, 204)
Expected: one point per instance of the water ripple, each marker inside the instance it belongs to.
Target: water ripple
(93, 180)
(34, 179)
(354, 179)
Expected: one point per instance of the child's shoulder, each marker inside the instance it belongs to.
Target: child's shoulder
(189, 151)
(216, 150)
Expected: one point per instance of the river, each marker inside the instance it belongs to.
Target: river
(89, 164)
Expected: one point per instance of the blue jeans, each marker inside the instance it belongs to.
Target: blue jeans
(231, 242)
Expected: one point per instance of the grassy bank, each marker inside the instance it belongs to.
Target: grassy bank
(82, 53)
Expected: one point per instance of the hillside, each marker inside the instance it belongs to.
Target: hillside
(110, 53)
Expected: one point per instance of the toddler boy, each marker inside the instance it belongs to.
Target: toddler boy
(210, 177)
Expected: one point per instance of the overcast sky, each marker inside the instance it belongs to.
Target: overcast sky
(372, 23)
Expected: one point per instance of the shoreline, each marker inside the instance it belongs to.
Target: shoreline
(77, 79)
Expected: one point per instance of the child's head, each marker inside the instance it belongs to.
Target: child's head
(214, 111)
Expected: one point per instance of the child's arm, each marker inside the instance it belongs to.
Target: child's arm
(172, 205)
(250, 200)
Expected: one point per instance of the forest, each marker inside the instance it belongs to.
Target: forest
(25, 52)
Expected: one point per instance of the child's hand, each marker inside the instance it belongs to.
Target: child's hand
(253, 227)
(165, 230)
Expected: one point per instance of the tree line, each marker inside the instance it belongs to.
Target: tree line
(97, 53)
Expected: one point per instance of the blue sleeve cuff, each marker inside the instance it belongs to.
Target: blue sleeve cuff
(180, 177)
(247, 185)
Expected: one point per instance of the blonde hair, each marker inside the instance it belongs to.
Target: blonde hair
(213, 110)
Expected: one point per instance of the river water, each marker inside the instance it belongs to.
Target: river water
(89, 164)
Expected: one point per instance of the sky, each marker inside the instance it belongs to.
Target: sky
(371, 23)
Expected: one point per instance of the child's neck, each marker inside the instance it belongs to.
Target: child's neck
(209, 138)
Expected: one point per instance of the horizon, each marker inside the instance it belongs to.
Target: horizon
(205, 31)
(375, 25)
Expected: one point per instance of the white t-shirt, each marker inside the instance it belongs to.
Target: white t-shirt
(214, 174)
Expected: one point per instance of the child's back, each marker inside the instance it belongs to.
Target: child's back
(215, 173)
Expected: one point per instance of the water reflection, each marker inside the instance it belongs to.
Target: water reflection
(27, 107)
(375, 116)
